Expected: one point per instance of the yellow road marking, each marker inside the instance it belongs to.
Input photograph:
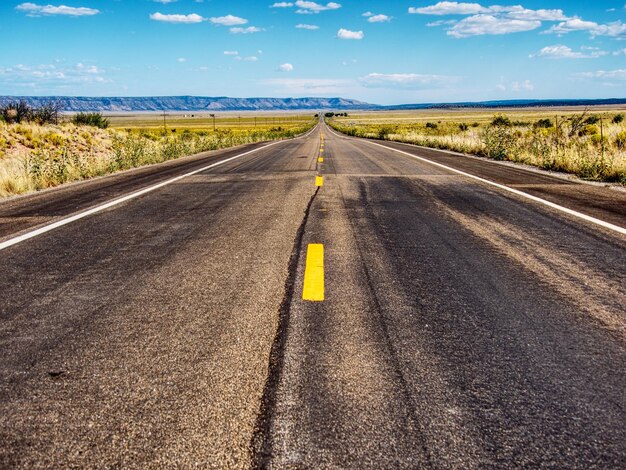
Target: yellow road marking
(314, 273)
(320, 160)
(322, 150)
(319, 181)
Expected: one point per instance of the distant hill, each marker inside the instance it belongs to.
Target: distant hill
(222, 103)
(190, 103)
(509, 104)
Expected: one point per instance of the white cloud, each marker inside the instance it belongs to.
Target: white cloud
(310, 86)
(620, 52)
(404, 80)
(282, 5)
(448, 8)
(231, 53)
(32, 9)
(611, 75)
(479, 25)
(310, 27)
(379, 18)
(181, 19)
(513, 12)
(526, 85)
(306, 7)
(181, 60)
(520, 13)
(367, 14)
(56, 76)
(250, 58)
(347, 34)
(481, 20)
(286, 68)
(164, 2)
(228, 20)
(248, 30)
(616, 29)
(560, 51)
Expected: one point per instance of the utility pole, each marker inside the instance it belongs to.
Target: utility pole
(164, 123)
(213, 116)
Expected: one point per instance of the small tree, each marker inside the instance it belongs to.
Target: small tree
(617, 119)
(16, 112)
(47, 114)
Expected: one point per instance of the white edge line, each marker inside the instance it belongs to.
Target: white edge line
(94, 210)
(580, 215)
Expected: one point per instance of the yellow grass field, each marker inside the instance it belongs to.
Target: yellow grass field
(587, 142)
(34, 157)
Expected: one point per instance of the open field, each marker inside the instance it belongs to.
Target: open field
(203, 120)
(34, 157)
(590, 143)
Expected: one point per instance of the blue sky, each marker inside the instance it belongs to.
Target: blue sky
(382, 52)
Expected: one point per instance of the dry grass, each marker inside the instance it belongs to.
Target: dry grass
(595, 152)
(34, 157)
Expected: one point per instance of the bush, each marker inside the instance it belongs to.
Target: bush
(501, 120)
(90, 119)
(431, 125)
(617, 119)
(499, 141)
(588, 129)
(16, 112)
(385, 131)
(463, 127)
(593, 119)
(46, 114)
(543, 124)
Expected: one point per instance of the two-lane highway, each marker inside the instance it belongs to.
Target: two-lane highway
(462, 325)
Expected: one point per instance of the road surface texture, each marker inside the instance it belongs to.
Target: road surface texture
(462, 326)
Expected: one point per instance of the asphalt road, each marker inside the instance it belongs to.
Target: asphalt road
(463, 326)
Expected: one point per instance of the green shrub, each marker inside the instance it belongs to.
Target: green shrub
(90, 119)
(617, 119)
(543, 124)
(499, 142)
(463, 127)
(593, 119)
(385, 131)
(501, 120)
(588, 129)
(431, 125)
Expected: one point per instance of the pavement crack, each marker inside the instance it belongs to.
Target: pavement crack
(261, 442)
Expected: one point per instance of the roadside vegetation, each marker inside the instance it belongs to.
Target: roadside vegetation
(586, 144)
(35, 155)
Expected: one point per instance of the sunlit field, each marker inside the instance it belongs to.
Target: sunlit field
(37, 156)
(590, 143)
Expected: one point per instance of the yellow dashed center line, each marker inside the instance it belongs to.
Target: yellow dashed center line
(319, 181)
(314, 273)
(320, 160)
